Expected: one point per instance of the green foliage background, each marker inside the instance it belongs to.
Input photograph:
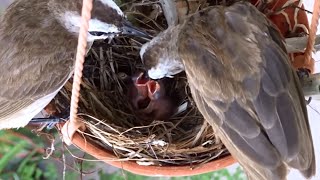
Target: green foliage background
(21, 158)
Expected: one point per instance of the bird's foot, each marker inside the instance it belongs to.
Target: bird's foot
(70, 128)
(48, 118)
(308, 101)
(49, 122)
(303, 73)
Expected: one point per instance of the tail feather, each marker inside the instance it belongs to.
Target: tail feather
(252, 169)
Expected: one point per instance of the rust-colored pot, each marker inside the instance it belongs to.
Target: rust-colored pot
(109, 158)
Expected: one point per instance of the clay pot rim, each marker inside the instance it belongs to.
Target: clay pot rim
(109, 158)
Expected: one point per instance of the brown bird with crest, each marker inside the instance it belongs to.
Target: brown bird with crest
(243, 84)
(38, 40)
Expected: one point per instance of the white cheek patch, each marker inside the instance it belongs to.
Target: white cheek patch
(97, 25)
(157, 73)
(166, 68)
(72, 22)
(113, 5)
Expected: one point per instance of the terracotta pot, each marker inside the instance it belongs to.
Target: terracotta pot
(109, 158)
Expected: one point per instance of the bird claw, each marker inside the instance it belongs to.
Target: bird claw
(308, 101)
(49, 122)
(48, 117)
(303, 73)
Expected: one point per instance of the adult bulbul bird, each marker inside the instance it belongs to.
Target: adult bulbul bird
(243, 84)
(38, 40)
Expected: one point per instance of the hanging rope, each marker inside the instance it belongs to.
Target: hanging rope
(313, 30)
(81, 52)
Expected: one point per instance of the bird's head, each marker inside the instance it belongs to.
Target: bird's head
(160, 55)
(107, 19)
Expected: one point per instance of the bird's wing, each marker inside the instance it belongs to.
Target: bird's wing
(29, 82)
(243, 84)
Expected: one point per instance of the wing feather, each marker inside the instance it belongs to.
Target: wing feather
(27, 78)
(244, 86)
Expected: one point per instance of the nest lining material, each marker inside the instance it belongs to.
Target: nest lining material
(185, 139)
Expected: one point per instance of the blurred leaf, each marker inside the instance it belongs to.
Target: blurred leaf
(28, 171)
(11, 154)
(51, 172)
(2, 132)
(223, 174)
(38, 174)
(71, 175)
(25, 161)
(239, 174)
(113, 176)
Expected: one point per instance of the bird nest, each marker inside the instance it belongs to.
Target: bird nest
(184, 139)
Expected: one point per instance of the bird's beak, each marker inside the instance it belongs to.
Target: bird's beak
(154, 90)
(129, 29)
(141, 84)
(142, 79)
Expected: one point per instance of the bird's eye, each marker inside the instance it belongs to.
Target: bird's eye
(97, 33)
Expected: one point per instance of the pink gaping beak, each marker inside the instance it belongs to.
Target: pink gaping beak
(141, 84)
(150, 100)
(154, 88)
(147, 90)
(147, 87)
